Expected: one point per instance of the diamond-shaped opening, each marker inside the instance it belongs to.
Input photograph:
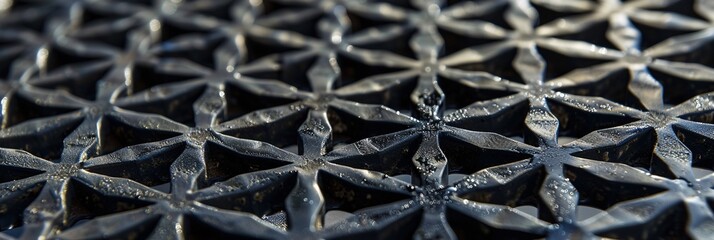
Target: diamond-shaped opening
(558, 64)
(353, 70)
(223, 163)
(346, 196)
(47, 144)
(347, 128)
(358, 22)
(652, 35)
(398, 44)
(145, 76)
(178, 109)
(268, 201)
(18, 106)
(671, 223)
(152, 169)
(459, 95)
(500, 65)
(677, 90)
(599, 193)
(116, 134)
(84, 202)
(701, 147)
(15, 204)
(613, 87)
(574, 122)
(261, 47)
(508, 121)
(466, 158)
(635, 151)
(547, 15)
(595, 34)
(60, 56)
(80, 85)
(466, 227)
(393, 161)
(396, 97)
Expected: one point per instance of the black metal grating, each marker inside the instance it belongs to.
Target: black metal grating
(356, 119)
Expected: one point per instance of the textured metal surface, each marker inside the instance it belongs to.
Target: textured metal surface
(306, 119)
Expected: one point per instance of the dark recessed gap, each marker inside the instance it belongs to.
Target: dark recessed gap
(651, 35)
(393, 161)
(178, 109)
(500, 65)
(202, 52)
(263, 201)
(508, 121)
(467, 159)
(280, 133)
(43, 144)
(597, 192)
(116, 134)
(520, 191)
(80, 85)
(701, 147)
(574, 122)
(635, 151)
(546, 14)
(15, 204)
(21, 109)
(223, 163)
(262, 47)
(459, 96)
(83, 202)
(145, 76)
(455, 42)
(677, 90)
(671, 223)
(595, 33)
(240, 101)
(343, 195)
(558, 64)
(359, 22)
(347, 128)
(614, 86)
(398, 44)
(152, 170)
(60, 56)
(353, 70)
(466, 227)
(397, 97)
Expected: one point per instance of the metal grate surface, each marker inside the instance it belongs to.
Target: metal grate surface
(354, 119)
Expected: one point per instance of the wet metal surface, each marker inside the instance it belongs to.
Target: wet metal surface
(355, 119)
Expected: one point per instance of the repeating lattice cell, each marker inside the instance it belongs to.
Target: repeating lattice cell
(357, 119)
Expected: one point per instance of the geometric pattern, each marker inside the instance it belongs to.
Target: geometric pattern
(345, 119)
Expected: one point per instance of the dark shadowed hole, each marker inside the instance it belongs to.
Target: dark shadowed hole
(145, 76)
(558, 64)
(613, 87)
(500, 65)
(595, 34)
(116, 134)
(576, 123)
(635, 151)
(651, 35)
(677, 90)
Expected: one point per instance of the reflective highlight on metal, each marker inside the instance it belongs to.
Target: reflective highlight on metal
(357, 119)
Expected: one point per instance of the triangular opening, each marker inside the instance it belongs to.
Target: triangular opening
(701, 147)
(80, 85)
(395, 160)
(677, 90)
(558, 64)
(612, 86)
(349, 197)
(466, 158)
(116, 134)
(347, 128)
(151, 169)
(178, 109)
(145, 76)
(21, 109)
(83, 202)
(223, 163)
(635, 151)
(353, 70)
(575, 122)
(47, 144)
(500, 65)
